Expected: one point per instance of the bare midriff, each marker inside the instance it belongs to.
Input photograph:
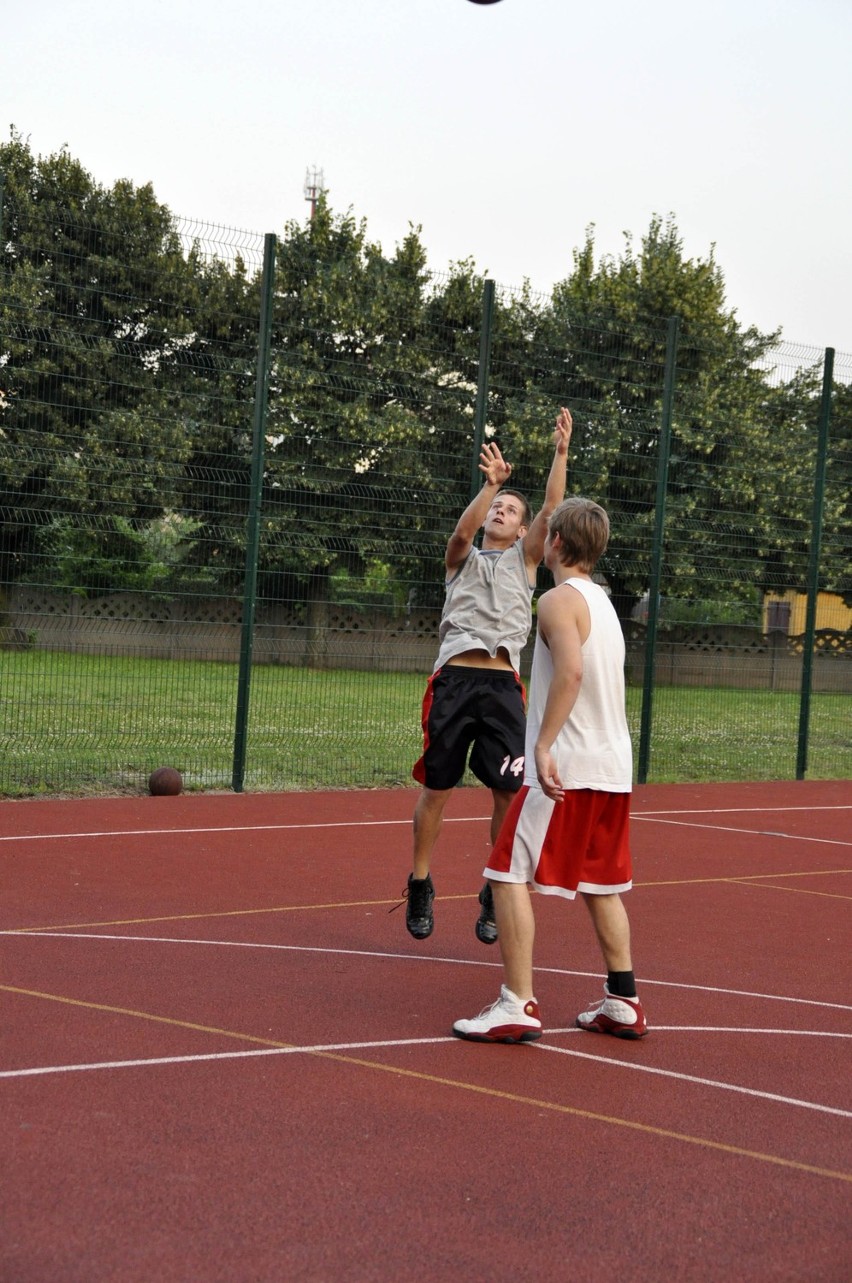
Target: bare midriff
(482, 659)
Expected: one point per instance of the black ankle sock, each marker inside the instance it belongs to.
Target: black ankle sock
(621, 984)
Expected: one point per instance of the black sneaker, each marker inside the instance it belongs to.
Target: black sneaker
(418, 911)
(486, 927)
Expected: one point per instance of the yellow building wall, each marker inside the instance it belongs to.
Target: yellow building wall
(830, 612)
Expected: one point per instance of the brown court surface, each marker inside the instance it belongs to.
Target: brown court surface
(224, 1059)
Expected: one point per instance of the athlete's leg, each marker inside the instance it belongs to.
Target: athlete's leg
(502, 800)
(621, 1013)
(428, 817)
(516, 932)
(612, 928)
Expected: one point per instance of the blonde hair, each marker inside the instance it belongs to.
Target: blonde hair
(583, 527)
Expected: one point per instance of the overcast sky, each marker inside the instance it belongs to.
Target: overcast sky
(503, 130)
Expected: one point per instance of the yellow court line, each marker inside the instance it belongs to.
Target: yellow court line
(223, 912)
(147, 1015)
(770, 886)
(572, 1110)
(494, 1093)
(741, 877)
(376, 904)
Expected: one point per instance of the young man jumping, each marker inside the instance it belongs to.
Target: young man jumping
(474, 701)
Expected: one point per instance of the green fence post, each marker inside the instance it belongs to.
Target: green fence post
(481, 411)
(655, 584)
(261, 398)
(813, 564)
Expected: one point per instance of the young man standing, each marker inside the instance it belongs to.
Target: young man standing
(567, 830)
(474, 698)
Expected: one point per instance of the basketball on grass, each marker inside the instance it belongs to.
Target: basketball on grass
(166, 781)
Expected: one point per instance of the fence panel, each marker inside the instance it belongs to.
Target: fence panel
(128, 372)
(128, 382)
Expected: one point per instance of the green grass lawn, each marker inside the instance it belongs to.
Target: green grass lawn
(78, 724)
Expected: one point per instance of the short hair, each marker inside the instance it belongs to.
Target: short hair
(583, 527)
(528, 512)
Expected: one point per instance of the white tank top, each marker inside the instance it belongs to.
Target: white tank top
(593, 749)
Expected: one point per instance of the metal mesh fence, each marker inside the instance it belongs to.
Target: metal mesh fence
(248, 586)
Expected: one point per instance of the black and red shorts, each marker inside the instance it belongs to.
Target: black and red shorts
(480, 711)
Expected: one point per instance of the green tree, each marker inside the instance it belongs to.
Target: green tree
(600, 348)
(349, 461)
(92, 318)
(216, 371)
(837, 539)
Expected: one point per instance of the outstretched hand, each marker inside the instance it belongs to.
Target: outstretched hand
(493, 466)
(562, 435)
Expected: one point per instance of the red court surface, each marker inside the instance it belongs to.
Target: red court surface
(224, 1059)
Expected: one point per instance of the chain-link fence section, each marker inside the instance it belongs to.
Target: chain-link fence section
(229, 466)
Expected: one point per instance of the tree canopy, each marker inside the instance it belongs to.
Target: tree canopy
(127, 381)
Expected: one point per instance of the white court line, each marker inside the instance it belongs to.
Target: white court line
(754, 833)
(700, 1082)
(363, 1046)
(742, 810)
(367, 824)
(153, 1061)
(731, 1029)
(338, 1048)
(411, 957)
(237, 828)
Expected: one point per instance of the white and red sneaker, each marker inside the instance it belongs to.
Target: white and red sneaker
(509, 1019)
(622, 1017)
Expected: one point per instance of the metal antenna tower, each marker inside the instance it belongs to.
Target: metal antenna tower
(314, 187)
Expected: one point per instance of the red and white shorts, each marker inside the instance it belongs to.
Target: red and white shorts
(579, 844)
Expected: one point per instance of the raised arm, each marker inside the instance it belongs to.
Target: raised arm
(496, 472)
(554, 491)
